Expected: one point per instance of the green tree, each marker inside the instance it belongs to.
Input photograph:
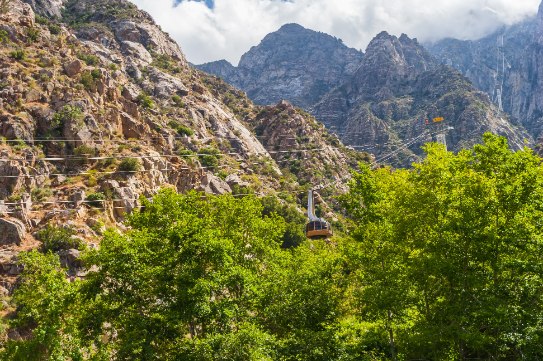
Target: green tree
(47, 305)
(449, 253)
(185, 273)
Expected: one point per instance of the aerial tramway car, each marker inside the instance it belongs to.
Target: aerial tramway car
(316, 228)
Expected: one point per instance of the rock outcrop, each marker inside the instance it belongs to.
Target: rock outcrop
(12, 231)
(49, 8)
(293, 63)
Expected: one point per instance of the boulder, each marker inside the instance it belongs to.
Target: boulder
(133, 128)
(234, 180)
(47, 8)
(127, 31)
(166, 85)
(20, 126)
(9, 264)
(12, 231)
(213, 184)
(33, 96)
(13, 178)
(78, 198)
(73, 67)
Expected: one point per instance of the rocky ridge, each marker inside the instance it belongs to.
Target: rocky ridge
(388, 106)
(292, 63)
(105, 110)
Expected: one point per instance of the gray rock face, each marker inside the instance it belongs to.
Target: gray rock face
(397, 90)
(48, 8)
(293, 63)
(12, 231)
(126, 27)
(521, 73)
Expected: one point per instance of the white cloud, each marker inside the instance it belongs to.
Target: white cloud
(233, 26)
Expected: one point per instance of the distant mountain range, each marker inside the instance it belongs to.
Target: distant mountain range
(383, 100)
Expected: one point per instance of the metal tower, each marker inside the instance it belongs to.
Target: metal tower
(442, 139)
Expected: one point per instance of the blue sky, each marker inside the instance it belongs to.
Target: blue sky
(210, 30)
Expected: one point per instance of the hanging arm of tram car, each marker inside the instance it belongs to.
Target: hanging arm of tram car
(316, 227)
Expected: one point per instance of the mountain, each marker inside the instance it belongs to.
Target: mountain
(512, 56)
(292, 63)
(382, 100)
(102, 108)
(399, 88)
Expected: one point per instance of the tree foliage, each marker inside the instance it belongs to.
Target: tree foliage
(449, 256)
(442, 262)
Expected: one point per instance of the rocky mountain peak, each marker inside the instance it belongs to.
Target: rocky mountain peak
(402, 51)
(121, 25)
(292, 63)
(387, 61)
(291, 28)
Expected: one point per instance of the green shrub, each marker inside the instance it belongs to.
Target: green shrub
(209, 157)
(87, 80)
(104, 163)
(54, 29)
(129, 165)
(146, 101)
(85, 150)
(54, 239)
(89, 59)
(96, 199)
(41, 20)
(68, 113)
(165, 62)
(96, 74)
(39, 194)
(4, 36)
(32, 35)
(178, 101)
(180, 128)
(18, 54)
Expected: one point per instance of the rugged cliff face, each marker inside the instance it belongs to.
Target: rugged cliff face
(520, 70)
(293, 63)
(103, 109)
(399, 88)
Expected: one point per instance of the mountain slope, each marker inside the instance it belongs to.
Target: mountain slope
(293, 63)
(100, 112)
(398, 87)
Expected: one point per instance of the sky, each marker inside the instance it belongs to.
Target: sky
(226, 29)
